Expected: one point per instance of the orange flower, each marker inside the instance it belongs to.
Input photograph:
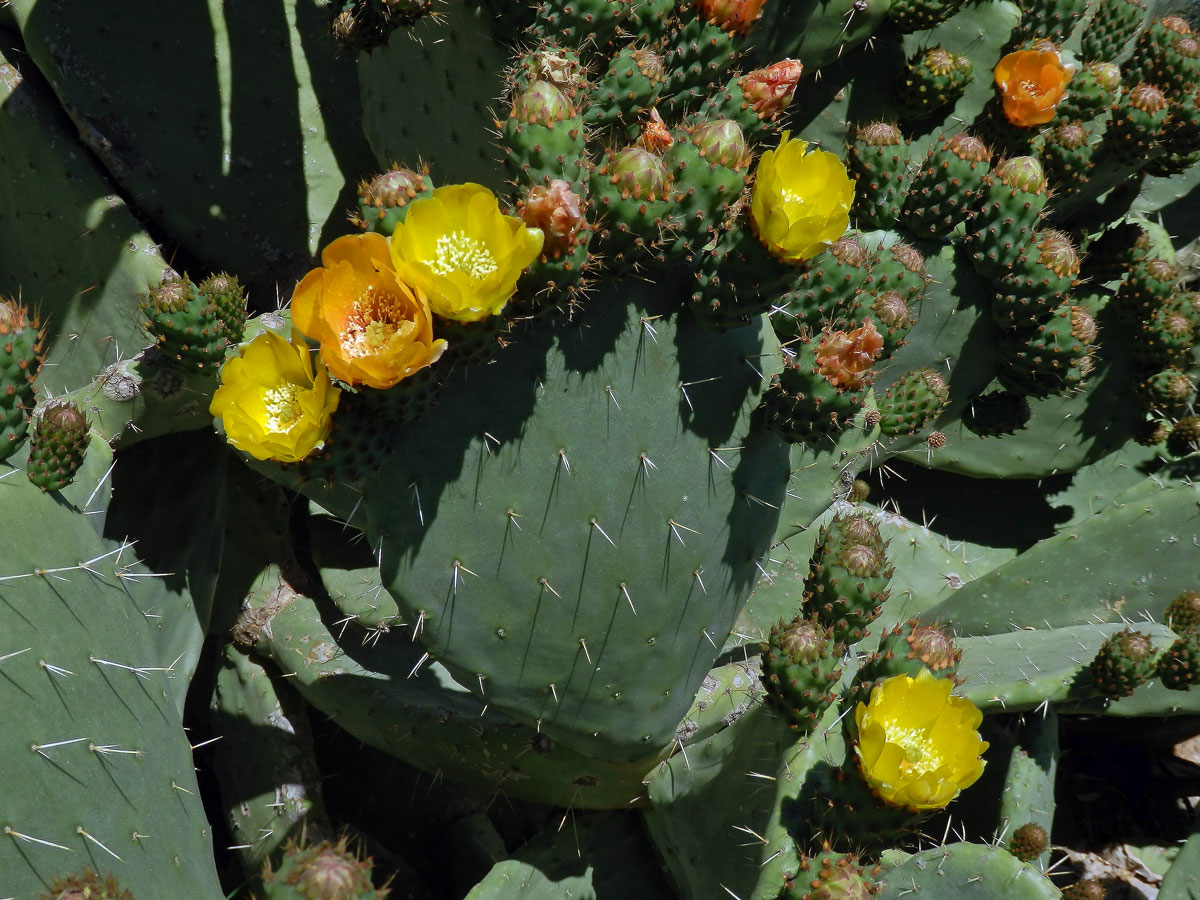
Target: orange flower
(373, 329)
(1031, 83)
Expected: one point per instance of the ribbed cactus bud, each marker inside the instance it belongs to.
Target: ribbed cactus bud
(1183, 613)
(1149, 285)
(1179, 666)
(734, 16)
(1184, 438)
(916, 399)
(558, 212)
(21, 339)
(383, 200)
(801, 663)
(900, 268)
(845, 358)
(87, 885)
(1167, 54)
(802, 405)
(933, 79)
(829, 876)
(768, 91)
(877, 160)
(1022, 173)
(326, 871)
(1028, 842)
(1164, 338)
(1125, 660)
(721, 142)
(1038, 282)
(997, 413)
(848, 576)
(57, 445)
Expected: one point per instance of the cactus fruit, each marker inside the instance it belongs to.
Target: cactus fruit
(824, 289)
(997, 413)
(1010, 204)
(326, 871)
(57, 445)
(1094, 88)
(946, 185)
(20, 357)
(916, 15)
(1138, 119)
(195, 324)
(848, 576)
(914, 400)
(906, 649)
(1184, 438)
(1111, 29)
(1066, 156)
(1039, 281)
(1125, 660)
(1183, 613)
(1028, 842)
(383, 200)
(801, 665)
(1179, 666)
(87, 886)
(1085, 889)
(933, 79)
(878, 161)
(829, 876)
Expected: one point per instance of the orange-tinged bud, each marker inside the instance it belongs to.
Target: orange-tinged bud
(845, 358)
(770, 90)
(734, 16)
(656, 136)
(556, 210)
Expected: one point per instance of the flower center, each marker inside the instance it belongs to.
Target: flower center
(377, 316)
(921, 757)
(1032, 87)
(456, 252)
(283, 408)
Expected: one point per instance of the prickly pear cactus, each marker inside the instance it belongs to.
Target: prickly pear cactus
(465, 419)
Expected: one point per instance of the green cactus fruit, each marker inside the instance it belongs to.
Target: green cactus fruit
(57, 445)
(801, 664)
(997, 413)
(893, 317)
(1164, 338)
(1052, 19)
(848, 576)
(932, 80)
(1166, 392)
(1066, 156)
(1151, 432)
(555, 285)
(1138, 119)
(708, 165)
(819, 393)
(628, 89)
(1166, 54)
(544, 137)
(877, 160)
(383, 200)
(1189, 305)
(824, 289)
(1086, 889)
(757, 99)
(1184, 438)
(1111, 29)
(1148, 287)
(1028, 842)
(1038, 282)
(560, 66)
(907, 16)
(915, 400)
(579, 23)
(1179, 666)
(736, 280)
(631, 191)
(906, 649)
(1183, 613)
(1093, 89)
(946, 186)
(193, 327)
(1111, 255)
(1052, 358)
(829, 876)
(87, 886)
(850, 815)
(1011, 202)
(1181, 138)
(363, 25)
(326, 871)
(20, 358)
(1124, 661)
(900, 268)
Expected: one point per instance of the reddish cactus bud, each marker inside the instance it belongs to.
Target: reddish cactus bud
(555, 209)
(734, 16)
(656, 136)
(845, 358)
(770, 90)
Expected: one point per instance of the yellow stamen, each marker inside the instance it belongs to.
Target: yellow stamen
(456, 252)
(283, 408)
(921, 756)
(377, 316)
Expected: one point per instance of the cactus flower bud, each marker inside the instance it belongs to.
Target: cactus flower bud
(722, 142)
(770, 90)
(542, 104)
(56, 450)
(734, 16)
(1023, 173)
(555, 209)
(637, 173)
(656, 136)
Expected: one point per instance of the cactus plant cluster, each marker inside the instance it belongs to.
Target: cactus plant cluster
(428, 425)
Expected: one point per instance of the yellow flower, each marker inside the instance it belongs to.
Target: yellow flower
(918, 746)
(801, 201)
(373, 329)
(462, 252)
(272, 402)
